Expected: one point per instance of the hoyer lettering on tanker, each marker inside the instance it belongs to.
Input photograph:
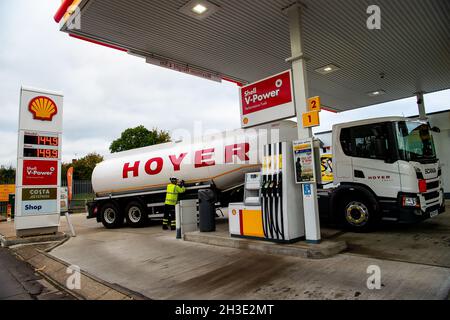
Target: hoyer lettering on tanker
(202, 158)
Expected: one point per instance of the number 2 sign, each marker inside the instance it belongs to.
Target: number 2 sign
(314, 104)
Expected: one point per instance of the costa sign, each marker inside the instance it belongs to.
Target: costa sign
(267, 100)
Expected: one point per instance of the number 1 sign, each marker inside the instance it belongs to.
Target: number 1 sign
(311, 119)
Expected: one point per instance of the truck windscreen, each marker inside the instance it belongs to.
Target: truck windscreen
(415, 142)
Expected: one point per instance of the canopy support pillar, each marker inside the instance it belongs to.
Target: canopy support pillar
(298, 60)
(421, 106)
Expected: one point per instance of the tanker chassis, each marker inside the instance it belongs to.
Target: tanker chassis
(385, 169)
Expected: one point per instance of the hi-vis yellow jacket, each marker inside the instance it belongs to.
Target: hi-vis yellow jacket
(172, 194)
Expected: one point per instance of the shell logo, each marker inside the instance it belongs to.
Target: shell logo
(43, 108)
(245, 121)
(234, 212)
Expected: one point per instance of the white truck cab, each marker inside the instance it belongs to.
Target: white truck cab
(384, 169)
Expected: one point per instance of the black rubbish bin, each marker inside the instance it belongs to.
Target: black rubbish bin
(12, 202)
(207, 210)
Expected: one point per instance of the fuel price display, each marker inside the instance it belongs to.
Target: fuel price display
(40, 153)
(41, 140)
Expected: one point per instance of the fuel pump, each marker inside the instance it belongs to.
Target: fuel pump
(279, 216)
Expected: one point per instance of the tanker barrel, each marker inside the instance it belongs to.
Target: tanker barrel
(223, 159)
(207, 210)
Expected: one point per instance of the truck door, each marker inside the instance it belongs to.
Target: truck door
(374, 162)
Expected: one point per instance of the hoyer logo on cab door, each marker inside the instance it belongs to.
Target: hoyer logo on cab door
(43, 108)
(202, 158)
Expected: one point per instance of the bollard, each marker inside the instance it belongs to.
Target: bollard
(69, 222)
(178, 220)
(8, 212)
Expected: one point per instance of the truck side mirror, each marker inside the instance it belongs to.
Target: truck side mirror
(436, 129)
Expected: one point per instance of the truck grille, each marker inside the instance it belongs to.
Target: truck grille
(431, 195)
(433, 185)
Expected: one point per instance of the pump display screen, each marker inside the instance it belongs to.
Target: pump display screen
(41, 140)
(40, 153)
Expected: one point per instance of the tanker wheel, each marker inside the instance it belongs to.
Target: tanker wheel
(136, 215)
(111, 216)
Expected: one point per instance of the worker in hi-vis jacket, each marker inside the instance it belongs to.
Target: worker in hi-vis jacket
(173, 189)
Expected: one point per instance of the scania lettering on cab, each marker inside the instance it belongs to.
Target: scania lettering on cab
(384, 169)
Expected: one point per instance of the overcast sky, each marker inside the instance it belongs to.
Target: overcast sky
(107, 91)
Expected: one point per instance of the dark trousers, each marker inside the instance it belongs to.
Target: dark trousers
(169, 217)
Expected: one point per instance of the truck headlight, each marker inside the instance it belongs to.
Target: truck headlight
(410, 202)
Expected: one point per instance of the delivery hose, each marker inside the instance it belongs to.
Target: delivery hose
(275, 197)
(280, 196)
(264, 205)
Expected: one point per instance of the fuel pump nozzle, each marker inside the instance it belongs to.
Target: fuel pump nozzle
(269, 211)
(264, 202)
(276, 202)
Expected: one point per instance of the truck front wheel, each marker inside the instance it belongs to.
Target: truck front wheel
(136, 215)
(111, 217)
(359, 214)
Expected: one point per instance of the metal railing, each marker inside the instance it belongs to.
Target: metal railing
(80, 187)
(82, 192)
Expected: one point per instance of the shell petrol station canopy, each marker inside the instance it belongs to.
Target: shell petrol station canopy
(348, 65)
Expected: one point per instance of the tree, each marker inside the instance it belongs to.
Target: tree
(139, 137)
(7, 174)
(82, 168)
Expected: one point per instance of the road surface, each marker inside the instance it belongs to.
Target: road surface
(19, 281)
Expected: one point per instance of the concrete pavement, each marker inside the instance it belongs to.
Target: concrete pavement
(155, 264)
(426, 243)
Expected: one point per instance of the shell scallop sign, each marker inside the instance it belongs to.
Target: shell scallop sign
(40, 110)
(43, 108)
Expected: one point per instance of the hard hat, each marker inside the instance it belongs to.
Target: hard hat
(173, 179)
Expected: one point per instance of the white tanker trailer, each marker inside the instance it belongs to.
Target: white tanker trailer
(131, 185)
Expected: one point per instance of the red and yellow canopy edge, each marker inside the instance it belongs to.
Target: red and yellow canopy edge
(62, 10)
